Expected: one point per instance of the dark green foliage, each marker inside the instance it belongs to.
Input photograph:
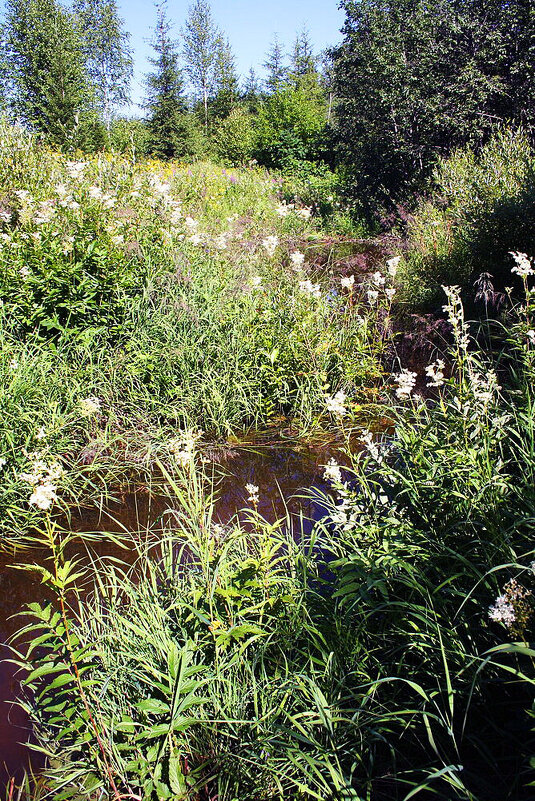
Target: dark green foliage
(168, 127)
(69, 289)
(130, 136)
(226, 84)
(416, 79)
(50, 87)
(234, 139)
(289, 127)
(277, 71)
(482, 207)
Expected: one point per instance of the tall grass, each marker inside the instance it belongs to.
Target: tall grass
(361, 661)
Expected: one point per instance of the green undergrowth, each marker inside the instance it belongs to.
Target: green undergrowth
(142, 301)
(360, 659)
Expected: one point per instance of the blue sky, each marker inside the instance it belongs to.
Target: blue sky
(250, 27)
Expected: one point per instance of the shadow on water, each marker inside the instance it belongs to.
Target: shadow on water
(279, 472)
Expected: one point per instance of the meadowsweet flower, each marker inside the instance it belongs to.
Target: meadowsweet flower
(5, 216)
(366, 438)
(347, 282)
(270, 244)
(435, 373)
(378, 279)
(332, 472)
(191, 224)
(392, 265)
(89, 406)
(253, 491)
(297, 259)
(3, 463)
(372, 295)
(24, 272)
(531, 336)
(220, 242)
(454, 310)
(108, 201)
(336, 404)
(44, 213)
(118, 239)
(14, 363)
(95, 192)
(283, 209)
(76, 169)
(522, 266)
(405, 380)
(175, 216)
(484, 388)
(390, 292)
(195, 239)
(305, 213)
(502, 611)
(40, 433)
(43, 496)
(314, 290)
(256, 282)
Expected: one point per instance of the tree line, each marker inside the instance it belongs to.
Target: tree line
(411, 81)
(67, 70)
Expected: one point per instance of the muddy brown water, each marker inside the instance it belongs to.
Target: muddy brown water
(280, 472)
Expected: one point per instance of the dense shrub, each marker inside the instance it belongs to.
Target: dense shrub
(482, 207)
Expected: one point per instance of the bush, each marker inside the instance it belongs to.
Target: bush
(482, 207)
(234, 138)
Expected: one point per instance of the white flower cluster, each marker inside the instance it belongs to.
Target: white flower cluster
(41, 477)
(89, 406)
(405, 380)
(337, 404)
(332, 472)
(76, 169)
(314, 290)
(347, 282)
(270, 244)
(253, 491)
(392, 265)
(366, 438)
(44, 213)
(183, 447)
(502, 611)
(454, 310)
(522, 266)
(297, 259)
(435, 373)
(484, 388)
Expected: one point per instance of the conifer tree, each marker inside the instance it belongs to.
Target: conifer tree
(107, 52)
(44, 64)
(251, 91)
(303, 62)
(165, 104)
(274, 64)
(226, 83)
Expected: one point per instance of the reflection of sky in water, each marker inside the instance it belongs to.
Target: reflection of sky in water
(280, 473)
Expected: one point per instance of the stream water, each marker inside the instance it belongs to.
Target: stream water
(280, 472)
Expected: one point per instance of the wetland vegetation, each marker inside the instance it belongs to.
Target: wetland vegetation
(267, 453)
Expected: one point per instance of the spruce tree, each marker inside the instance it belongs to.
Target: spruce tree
(107, 52)
(165, 104)
(50, 89)
(276, 69)
(226, 83)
